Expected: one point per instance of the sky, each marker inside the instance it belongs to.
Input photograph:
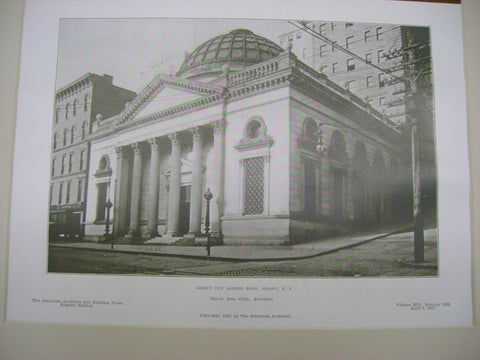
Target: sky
(134, 51)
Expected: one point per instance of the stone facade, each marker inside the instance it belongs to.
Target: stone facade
(288, 155)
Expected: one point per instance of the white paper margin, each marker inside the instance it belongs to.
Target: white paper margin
(164, 301)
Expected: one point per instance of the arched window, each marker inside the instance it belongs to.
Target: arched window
(310, 139)
(85, 102)
(254, 146)
(67, 110)
(75, 104)
(103, 163)
(84, 130)
(70, 162)
(65, 137)
(79, 190)
(253, 129)
(337, 150)
(82, 159)
(103, 169)
(72, 134)
(53, 166)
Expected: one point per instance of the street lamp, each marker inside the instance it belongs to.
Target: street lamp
(208, 197)
(108, 206)
(320, 149)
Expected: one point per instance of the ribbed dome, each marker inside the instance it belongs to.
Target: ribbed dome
(239, 47)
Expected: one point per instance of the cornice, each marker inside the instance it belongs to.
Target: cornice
(283, 70)
(75, 86)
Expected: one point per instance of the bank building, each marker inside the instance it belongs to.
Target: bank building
(288, 155)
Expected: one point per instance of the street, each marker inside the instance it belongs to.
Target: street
(380, 257)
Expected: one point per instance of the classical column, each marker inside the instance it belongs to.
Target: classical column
(154, 187)
(218, 167)
(120, 210)
(136, 189)
(174, 187)
(196, 189)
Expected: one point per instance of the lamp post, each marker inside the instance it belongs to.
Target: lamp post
(108, 206)
(208, 197)
(320, 149)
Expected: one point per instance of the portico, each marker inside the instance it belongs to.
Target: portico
(169, 171)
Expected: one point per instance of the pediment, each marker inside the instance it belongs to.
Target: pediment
(163, 93)
(167, 98)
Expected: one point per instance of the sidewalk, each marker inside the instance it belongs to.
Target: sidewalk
(252, 252)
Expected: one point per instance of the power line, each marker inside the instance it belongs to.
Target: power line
(302, 26)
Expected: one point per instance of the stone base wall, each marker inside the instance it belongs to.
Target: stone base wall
(256, 231)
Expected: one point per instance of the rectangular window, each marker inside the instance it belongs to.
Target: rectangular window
(347, 25)
(369, 81)
(368, 57)
(321, 29)
(60, 193)
(334, 67)
(379, 33)
(351, 85)
(63, 164)
(380, 55)
(323, 69)
(381, 101)
(253, 187)
(323, 50)
(381, 80)
(53, 166)
(79, 190)
(350, 64)
(368, 35)
(348, 41)
(333, 45)
(69, 188)
(334, 26)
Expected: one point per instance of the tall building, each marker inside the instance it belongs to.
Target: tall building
(377, 44)
(76, 106)
(287, 154)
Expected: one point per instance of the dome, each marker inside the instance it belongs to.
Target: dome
(238, 48)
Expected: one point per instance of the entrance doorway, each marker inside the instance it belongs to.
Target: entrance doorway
(184, 216)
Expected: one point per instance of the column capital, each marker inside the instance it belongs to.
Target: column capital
(174, 138)
(218, 127)
(120, 151)
(197, 133)
(154, 143)
(137, 147)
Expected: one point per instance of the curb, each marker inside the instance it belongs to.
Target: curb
(233, 259)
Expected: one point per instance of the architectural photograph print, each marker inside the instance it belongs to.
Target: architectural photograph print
(243, 148)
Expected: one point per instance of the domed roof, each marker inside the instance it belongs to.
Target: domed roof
(239, 47)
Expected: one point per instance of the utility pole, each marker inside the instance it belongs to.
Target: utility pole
(414, 66)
